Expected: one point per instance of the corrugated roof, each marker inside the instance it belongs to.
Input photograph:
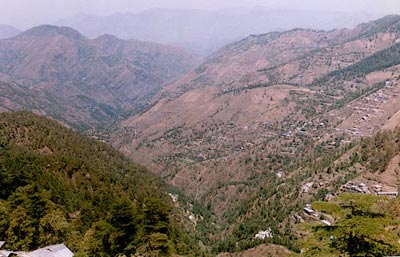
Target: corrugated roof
(59, 250)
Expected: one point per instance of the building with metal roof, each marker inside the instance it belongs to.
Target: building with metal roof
(59, 250)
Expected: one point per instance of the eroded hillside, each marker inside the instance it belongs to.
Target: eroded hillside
(234, 132)
(85, 83)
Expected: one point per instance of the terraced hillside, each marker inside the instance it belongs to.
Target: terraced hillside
(260, 130)
(234, 133)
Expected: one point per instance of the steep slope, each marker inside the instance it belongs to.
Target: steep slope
(58, 186)
(229, 102)
(234, 132)
(293, 57)
(356, 219)
(370, 164)
(7, 31)
(98, 80)
(364, 225)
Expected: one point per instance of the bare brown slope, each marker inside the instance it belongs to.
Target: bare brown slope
(296, 57)
(231, 136)
(106, 75)
(241, 63)
(228, 104)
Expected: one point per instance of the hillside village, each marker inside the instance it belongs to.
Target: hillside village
(349, 187)
(279, 144)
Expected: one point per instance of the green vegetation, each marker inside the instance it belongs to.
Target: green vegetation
(377, 151)
(58, 186)
(389, 23)
(272, 201)
(365, 225)
(384, 59)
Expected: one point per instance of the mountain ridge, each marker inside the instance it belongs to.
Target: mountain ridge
(51, 30)
(191, 28)
(259, 130)
(97, 81)
(236, 130)
(7, 31)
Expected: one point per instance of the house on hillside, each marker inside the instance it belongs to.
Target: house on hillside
(262, 234)
(309, 211)
(390, 194)
(59, 250)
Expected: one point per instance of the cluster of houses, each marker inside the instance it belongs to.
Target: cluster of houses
(355, 188)
(308, 213)
(307, 187)
(59, 250)
(370, 107)
(351, 187)
(362, 188)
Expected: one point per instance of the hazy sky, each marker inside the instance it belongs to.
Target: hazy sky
(27, 13)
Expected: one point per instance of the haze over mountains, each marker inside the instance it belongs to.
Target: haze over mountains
(205, 31)
(223, 132)
(85, 83)
(246, 139)
(7, 31)
(248, 87)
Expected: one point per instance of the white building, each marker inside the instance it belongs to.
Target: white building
(262, 234)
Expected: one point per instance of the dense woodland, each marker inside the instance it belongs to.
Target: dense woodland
(58, 186)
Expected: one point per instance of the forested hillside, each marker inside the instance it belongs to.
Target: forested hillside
(376, 62)
(366, 220)
(365, 225)
(57, 186)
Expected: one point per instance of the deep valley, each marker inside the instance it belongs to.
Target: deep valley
(279, 144)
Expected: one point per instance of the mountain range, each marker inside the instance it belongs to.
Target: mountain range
(263, 106)
(204, 31)
(247, 93)
(247, 140)
(85, 83)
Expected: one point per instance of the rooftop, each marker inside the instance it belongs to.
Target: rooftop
(59, 250)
